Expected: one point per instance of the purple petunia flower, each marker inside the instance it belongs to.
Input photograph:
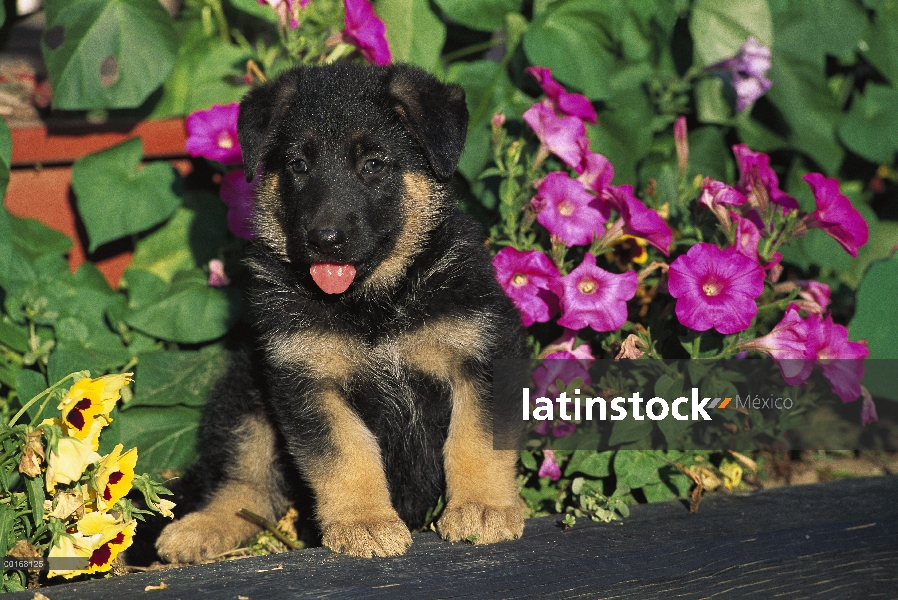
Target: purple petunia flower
(567, 210)
(715, 288)
(597, 171)
(217, 276)
(286, 9)
(560, 99)
(754, 168)
(593, 297)
(212, 134)
(525, 277)
(841, 360)
(787, 344)
(748, 72)
(363, 29)
(814, 296)
(835, 215)
(238, 196)
(559, 135)
(639, 220)
(550, 467)
(562, 361)
(868, 409)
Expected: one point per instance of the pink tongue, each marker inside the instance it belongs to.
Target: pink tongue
(333, 278)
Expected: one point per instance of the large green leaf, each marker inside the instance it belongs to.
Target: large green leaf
(169, 378)
(165, 439)
(719, 27)
(189, 311)
(116, 197)
(871, 127)
(414, 33)
(572, 38)
(107, 53)
(188, 240)
(874, 319)
(5, 156)
(880, 41)
(485, 15)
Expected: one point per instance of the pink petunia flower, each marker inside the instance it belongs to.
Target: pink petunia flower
(212, 134)
(593, 297)
(525, 277)
(715, 288)
(748, 72)
(559, 135)
(754, 168)
(787, 344)
(597, 170)
(238, 196)
(217, 276)
(363, 29)
(550, 467)
(868, 409)
(835, 215)
(639, 220)
(841, 360)
(562, 361)
(286, 10)
(814, 296)
(567, 210)
(560, 99)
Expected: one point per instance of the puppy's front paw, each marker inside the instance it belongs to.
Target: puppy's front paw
(481, 524)
(200, 536)
(388, 537)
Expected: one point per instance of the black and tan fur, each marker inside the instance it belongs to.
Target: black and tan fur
(376, 397)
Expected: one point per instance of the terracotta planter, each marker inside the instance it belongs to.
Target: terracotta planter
(40, 181)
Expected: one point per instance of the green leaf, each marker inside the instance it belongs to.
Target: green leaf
(590, 463)
(880, 41)
(414, 33)
(573, 39)
(636, 468)
(874, 318)
(720, 27)
(117, 197)
(5, 156)
(871, 127)
(189, 311)
(34, 488)
(188, 240)
(485, 15)
(207, 71)
(7, 250)
(165, 438)
(35, 239)
(107, 53)
(28, 385)
(625, 134)
(168, 378)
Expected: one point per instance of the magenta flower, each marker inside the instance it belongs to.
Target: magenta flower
(593, 297)
(748, 72)
(525, 277)
(841, 360)
(868, 409)
(835, 215)
(639, 220)
(597, 170)
(559, 99)
(715, 288)
(567, 210)
(814, 296)
(217, 276)
(559, 135)
(212, 134)
(363, 29)
(748, 236)
(550, 467)
(716, 193)
(238, 196)
(562, 361)
(754, 168)
(286, 10)
(787, 344)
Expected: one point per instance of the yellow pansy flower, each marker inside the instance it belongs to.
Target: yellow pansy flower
(86, 407)
(99, 538)
(114, 477)
(68, 462)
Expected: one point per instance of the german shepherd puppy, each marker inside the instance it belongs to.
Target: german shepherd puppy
(377, 316)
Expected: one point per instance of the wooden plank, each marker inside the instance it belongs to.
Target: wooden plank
(830, 540)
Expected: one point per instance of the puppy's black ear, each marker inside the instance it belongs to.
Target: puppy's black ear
(254, 126)
(435, 113)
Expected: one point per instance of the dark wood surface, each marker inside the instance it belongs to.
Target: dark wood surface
(829, 540)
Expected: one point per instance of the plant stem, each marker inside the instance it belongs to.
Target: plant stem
(272, 529)
(46, 392)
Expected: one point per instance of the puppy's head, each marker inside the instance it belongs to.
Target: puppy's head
(352, 160)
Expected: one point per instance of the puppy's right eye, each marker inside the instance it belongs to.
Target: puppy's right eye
(299, 166)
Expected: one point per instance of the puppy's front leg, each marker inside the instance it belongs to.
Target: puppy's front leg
(347, 475)
(482, 497)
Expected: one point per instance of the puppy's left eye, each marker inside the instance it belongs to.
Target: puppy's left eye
(372, 166)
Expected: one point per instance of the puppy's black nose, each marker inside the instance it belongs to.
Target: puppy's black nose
(326, 240)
